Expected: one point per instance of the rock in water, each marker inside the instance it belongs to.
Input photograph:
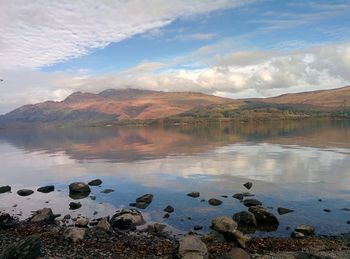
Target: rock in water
(79, 187)
(25, 192)
(43, 216)
(169, 209)
(193, 194)
(224, 224)
(46, 189)
(107, 191)
(75, 234)
(156, 228)
(248, 185)
(147, 198)
(191, 247)
(214, 202)
(307, 230)
(251, 202)
(4, 189)
(235, 253)
(127, 219)
(238, 196)
(283, 211)
(74, 205)
(26, 248)
(265, 219)
(245, 218)
(198, 227)
(95, 182)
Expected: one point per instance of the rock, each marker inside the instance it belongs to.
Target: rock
(147, 198)
(95, 182)
(5, 188)
(166, 215)
(132, 204)
(74, 205)
(66, 217)
(104, 225)
(169, 209)
(214, 202)
(238, 196)
(345, 209)
(198, 227)
(215, 236)
(348, 222)
(296, 234)
(156, 228)
(92, 197)
(25, 192)
(191, 247)
(248, 185)
(107, 191)
(193, 194)
(127, 219)
(307, 230)
(26, 248)
(224, 224)
(7, 221)
(327, 210)
(283, 211)
(224, 196)
(79, 187)
(251, 202)
(265, 219)
(75, 234)
(241, 238)
(46, 189)
(81, 223)
(245, 218)
(44, 215)
(235, 253)
(248, 194)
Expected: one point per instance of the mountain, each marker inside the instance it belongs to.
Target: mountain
(134, 105)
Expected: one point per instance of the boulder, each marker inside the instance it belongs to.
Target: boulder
(82, 223)
(307, 230)
(251, 202)
(169, 209)
(104, 225)
(235, 253)
(283, 211)
(79, 187)
(265, 219)
(224, 224)
(75, 234)
(74, 205)
(25, 192)
(5, 188)
(191, 247)
(27, 248)
(214, 202)
(245, 218)
(193, 194)
(95, 182)
(126, 219)
(46, 189)
(44, 215)
(248, 185)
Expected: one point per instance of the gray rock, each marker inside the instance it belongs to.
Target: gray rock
(283, 211)
(104, 225)
(74, 205)
(95, 182)
(193, 194)
(66, 217)
(75, 234)
(26, 248)
(107, 191)
(248, 185)
(238, 196)
(296, 234)
(82, 223)
(265, 219)
(169, 209)
(224, 224)
(235, 253)
(327, 210)
(191, 247)
(92, 197)
(44, 215)
(25, 192)
(127, 219)
(79, 187)
(307, 230)
(4, 189)
(214, 202)
(245, 218)
(156, 228)
(147, 198)
(251, 202)
(46, 189)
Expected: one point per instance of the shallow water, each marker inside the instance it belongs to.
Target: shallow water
(291, 164)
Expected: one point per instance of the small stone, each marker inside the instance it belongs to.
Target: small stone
(92, 197)
(75, 234)
(25, 192)
(166, 215)
(194, 194)
(147, 198)
(169, 209)
(81, 223)
(238, 196)
(327, 210)
(74, 205)
(79, 187)
(283, 211)
(214, 202)
(224, 196)
(107, 191)
(104, 225)
(345, 209)
(198, 227)
(296, 234)
(305, 229)
(95, 182)
(248, 185)
(66, 217)
(348, 222)
(251, 202)
(46, 189)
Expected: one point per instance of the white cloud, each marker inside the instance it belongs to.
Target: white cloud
(40, 33)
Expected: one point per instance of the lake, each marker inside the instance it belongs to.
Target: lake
(291, 164)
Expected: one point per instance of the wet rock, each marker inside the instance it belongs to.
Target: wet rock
(191, 247)
(296, 234)
(79, 187)
(345, 209)
(92, 197)
(132, 204)
(155, 228)
(7, 221)
(46, 189)
(74, 205)
(251, 202)
(104, 225)
(238, 196)
(235, 253)
(193, 194)
(224, 224)
(348, 222)
(327, 210)
(81, 223)
(248, 185)
(66, 217)
(106, 191)
(248, 194)
(95, 182)
(307, 230)
(5, 188)
(44, 215)
(166, 215)
(28, 247)
(224, 196)
(127, 219)
(198, 227)
(75, 234)
(245, 218)
(25, 192)
(147, 198)
(169, 209)
(265, 219)
(214, 202)
(283, 211)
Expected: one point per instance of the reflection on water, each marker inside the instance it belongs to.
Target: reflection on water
(292, 164)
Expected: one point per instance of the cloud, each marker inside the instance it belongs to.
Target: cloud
(39, 33)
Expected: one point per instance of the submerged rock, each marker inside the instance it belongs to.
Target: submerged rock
(5, 188)
(79, 187)
(193, 194)
(107, 191)
(251, 202)
(191, 247)
(74, 205)
(28, 248)
(248, 185)
(25, 192)
(214, 202)
(198, 227)
(46, 189)
(283, 211)
(147, 198)
(169, 209)
(266, 220)
(95, 182)
(127, 219)
(238, 196)
(245, 218)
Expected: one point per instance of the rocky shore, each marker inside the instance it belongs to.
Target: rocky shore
(126, 234)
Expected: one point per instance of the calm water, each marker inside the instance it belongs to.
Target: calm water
(291, 164)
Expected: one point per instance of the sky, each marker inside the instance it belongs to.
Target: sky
(230, 48)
